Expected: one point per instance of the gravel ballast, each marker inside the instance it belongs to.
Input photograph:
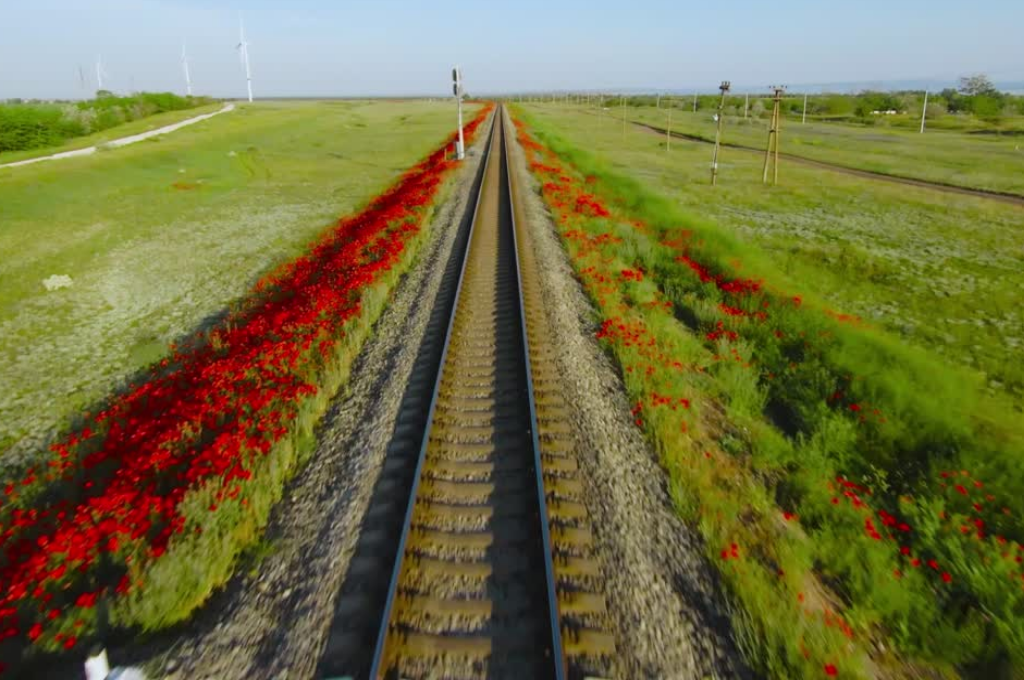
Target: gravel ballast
(670, 618)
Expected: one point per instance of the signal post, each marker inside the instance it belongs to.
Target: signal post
(724, 87)
(457, 89)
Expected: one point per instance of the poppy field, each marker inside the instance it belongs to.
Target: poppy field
(158, 238)
(859, 495)
(142, 510)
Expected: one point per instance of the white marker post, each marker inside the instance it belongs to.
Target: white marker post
(97, 667)
(803, 121)
(746, 104)
(924, 110)
(460, 150)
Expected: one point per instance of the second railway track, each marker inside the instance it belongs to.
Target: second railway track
(492, 574)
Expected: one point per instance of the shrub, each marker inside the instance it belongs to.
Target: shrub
(25, 126)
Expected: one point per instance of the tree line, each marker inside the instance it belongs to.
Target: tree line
(34, 124)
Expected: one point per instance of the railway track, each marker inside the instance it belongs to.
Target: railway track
(476, 556)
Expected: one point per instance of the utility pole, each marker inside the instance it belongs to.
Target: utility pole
(746, 105)
(803, 121)
(924, 110)
(695, 102)
(773, 135)
(724, 87)
(457, 88)
(658, 103)
(623, 117)
(668, 129)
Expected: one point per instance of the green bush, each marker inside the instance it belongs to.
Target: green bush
(25, 126)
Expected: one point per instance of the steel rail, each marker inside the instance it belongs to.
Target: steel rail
(504, 199)
(378, 654)
(549, 568)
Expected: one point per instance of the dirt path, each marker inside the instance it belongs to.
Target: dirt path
(1012, 199)
(123, 141)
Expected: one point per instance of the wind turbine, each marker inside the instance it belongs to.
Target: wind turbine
(188, 76)
(243, 53)
(100, 72)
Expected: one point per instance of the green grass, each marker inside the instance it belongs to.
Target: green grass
(978, 161)
(161, 235)
(785, 412)
(126, 130)
(945, 272)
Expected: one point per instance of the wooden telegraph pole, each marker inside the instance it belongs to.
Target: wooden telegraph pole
(623, 117)
(924, 110)
(668, 130)
(773, 135)
(724, 87)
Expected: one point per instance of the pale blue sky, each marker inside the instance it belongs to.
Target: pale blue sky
(345, 47)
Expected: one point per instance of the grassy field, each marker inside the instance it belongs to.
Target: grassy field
(944, 272)
(979, 161)
(859, 495)
(97, 138)
(159, 236)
